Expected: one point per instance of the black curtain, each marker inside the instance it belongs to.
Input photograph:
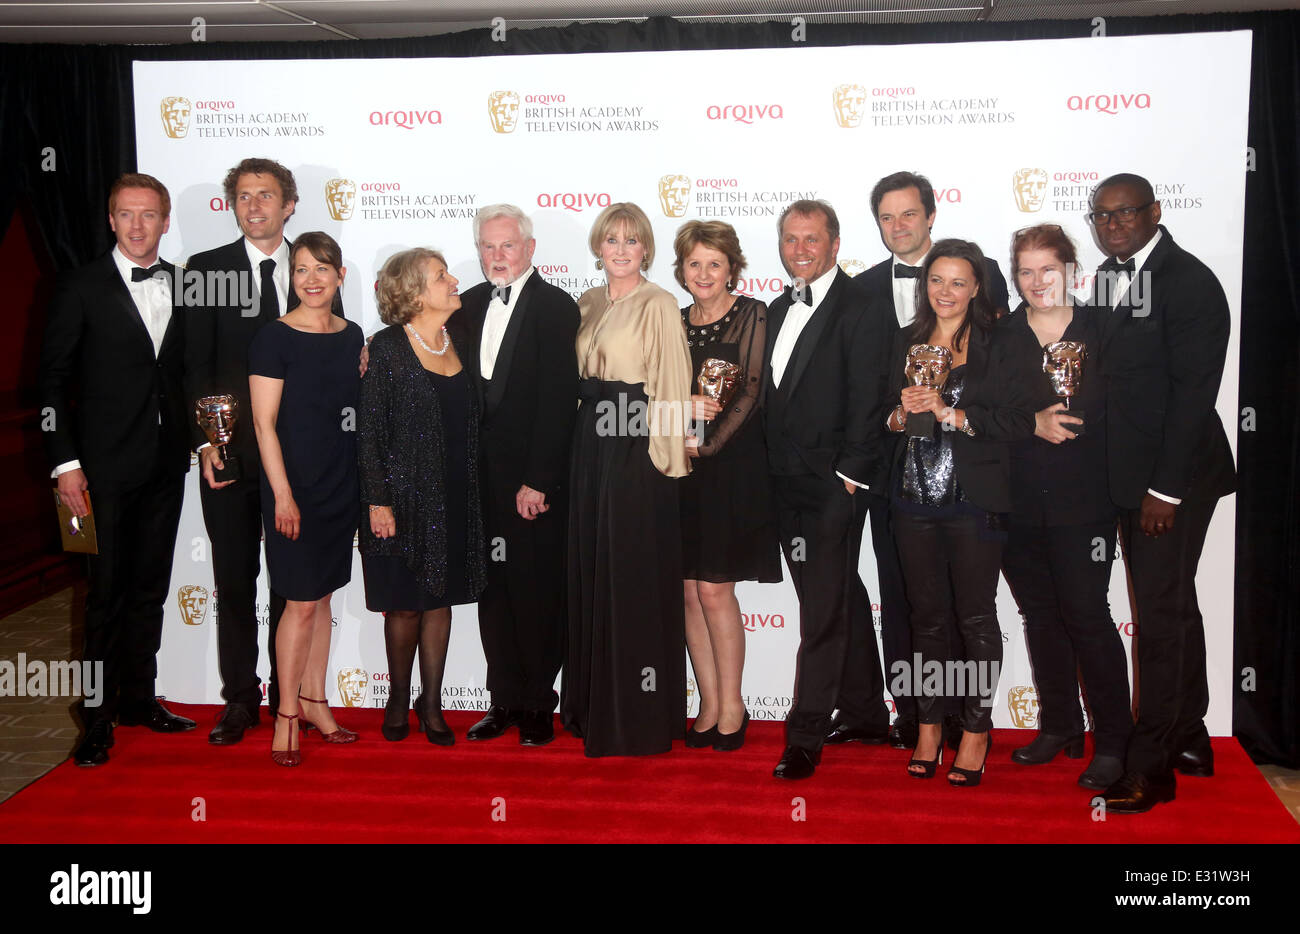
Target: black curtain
(77, 101)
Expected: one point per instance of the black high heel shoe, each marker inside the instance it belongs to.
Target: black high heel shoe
(397, 720)
(929, 765)
(437, 737)
(730, 742)
(1044, 747)
(702, 740)
(971, 776)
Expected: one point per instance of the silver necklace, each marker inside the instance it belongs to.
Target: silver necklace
(446, 340)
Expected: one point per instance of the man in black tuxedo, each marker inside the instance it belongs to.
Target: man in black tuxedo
(904, 208)
(1162, 352)
(254, 278)
(828, 352)
(523, 330)
(111, 371)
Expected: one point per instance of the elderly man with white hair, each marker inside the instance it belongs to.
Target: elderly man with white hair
(527, 376)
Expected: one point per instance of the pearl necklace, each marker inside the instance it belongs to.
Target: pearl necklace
(446, 340)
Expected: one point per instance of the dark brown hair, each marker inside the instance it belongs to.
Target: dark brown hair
(980, 312)
(325, 249)
(288, 187)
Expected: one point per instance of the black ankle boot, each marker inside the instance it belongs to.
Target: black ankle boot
(1044, 747)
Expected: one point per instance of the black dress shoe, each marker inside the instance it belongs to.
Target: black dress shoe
(1136, 793)
(156, 717)
(497, 721)
(797, 762)
(1102, 772)
(844, 733)
(904, 734)
(94, 746)
(1196, 762)
(536, 728)
(1044, 747)
(232, 723)
(952, 730)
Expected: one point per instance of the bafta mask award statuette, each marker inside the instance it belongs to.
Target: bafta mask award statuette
(927, 365)
(217, 416)
(1063, 364)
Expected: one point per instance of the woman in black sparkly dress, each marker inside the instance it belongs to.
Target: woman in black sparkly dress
(422, 548)
(951, 494)
(728, 527)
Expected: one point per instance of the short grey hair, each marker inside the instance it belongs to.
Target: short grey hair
(493, 211)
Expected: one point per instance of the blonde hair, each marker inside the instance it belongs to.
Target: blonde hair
(401, 284)
(630, 218)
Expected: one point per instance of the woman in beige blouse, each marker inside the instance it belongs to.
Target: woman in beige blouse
(624, 687)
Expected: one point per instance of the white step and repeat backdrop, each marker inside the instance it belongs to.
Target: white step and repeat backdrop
(395, 153)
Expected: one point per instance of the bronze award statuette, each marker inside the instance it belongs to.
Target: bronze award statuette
(927, 365)
(217, 415)
(1063, 363)
(718, 380)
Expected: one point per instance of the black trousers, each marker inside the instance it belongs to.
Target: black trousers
(522, 613)
(1172, 690)
(821, 534)
(233, 516)
(128, 584)
(950, 567)
(1060, 577)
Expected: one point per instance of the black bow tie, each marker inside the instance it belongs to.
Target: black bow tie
(140, 275)
(801, 294)
(904, 271)
(502, 292)
(1129, 265)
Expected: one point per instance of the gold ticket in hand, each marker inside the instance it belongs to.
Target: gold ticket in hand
(77, 533)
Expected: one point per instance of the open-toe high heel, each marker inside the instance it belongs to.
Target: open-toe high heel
(340, 735)
(969, 778)
(928, 765)
(288, 757)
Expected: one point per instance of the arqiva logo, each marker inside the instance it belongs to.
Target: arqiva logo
(406, 119)
(753, 621)
(1110, 103)
(576, 201)
(745, 113)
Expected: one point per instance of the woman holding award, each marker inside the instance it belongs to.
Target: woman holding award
(625, 675)
(1062, 536)
(728, 528)
(965, 404)
(303, 387)
(422, 544)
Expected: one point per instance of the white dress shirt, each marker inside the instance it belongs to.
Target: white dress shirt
(797, 317)
(153, 303)
(281, 275)
(905, 291)
(495, 323)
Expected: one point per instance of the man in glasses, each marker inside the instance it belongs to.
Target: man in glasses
(1162, 352)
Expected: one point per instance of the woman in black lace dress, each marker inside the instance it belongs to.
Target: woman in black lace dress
(728, 527)
(951, 496)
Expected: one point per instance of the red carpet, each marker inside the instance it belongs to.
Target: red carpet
(414, 792)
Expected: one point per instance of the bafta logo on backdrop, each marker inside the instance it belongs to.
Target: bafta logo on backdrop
(352, 686)
(340, 197)
(853, 267)
(175, 116)
(193, 601)
(503, 109)
(1030, 187)
(692, 698)
(1022, 704)
(674, 195)
(850, 105)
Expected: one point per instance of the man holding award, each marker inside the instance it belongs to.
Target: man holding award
(1163, 344)
(121, 437)
(827, 382)
(255, 267)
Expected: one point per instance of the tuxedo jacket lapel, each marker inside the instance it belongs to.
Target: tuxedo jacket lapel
(496, 386)
(812, 332)
(121, 297)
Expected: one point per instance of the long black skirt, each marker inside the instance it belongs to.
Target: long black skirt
(624, 688)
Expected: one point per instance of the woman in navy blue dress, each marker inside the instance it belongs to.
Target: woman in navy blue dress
(303, 386)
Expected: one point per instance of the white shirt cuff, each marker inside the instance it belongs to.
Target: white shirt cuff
(1167, 499)
(860, 486)
(65, 467)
